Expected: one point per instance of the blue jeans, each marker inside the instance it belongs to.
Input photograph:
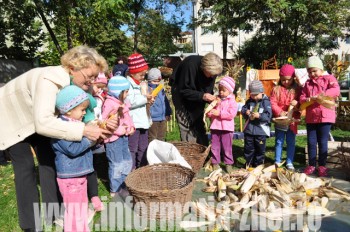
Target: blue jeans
(279, 141)
(120, 162)
(318, 134)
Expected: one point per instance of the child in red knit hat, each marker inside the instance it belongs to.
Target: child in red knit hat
(138, 142)
(283, 97)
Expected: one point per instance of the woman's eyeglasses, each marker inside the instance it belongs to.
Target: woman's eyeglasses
(91, 78)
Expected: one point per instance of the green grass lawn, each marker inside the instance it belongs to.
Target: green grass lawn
(8, 216)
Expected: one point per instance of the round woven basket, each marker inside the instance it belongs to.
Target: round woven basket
(158, 184)
(194, 153)
(344, 156)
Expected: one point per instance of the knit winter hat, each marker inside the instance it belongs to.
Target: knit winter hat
(70, 97)
(154, 74)
(256, 87)
(116, 85)
(101, 78)
(314, 62)
(228, 83)
(287, 70)
(136, 63)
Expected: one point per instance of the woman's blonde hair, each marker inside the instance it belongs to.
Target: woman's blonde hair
(82, 57)
(212, 63)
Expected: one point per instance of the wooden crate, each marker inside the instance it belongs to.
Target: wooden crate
(333, 159)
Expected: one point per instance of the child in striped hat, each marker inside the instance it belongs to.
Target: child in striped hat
(138, 99)
(117, 146)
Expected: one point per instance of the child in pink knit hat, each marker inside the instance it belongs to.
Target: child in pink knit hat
(99, 89)
(222, 124)
(284, 97)
(99, 92)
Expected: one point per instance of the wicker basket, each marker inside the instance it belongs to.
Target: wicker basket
(344, 156)
(158, 184)
(194, 153)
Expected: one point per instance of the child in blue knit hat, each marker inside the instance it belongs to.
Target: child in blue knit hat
(73, 160)
(117, 146)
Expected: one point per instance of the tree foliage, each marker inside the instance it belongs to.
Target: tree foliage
(282, 27)
(22, 33)
(95, 23)
(297, 28)
(156, 36)
(154, 26)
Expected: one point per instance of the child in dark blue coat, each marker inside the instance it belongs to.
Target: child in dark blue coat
(160, 110)
(257, 112)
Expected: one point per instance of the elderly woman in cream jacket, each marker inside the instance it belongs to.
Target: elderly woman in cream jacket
(28, 119)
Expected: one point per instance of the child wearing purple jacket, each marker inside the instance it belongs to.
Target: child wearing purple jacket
(222, 124)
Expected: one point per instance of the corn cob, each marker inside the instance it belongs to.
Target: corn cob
(272, 167)
(255, 110)
(207, 110)
(157, 90)
(221, 189)
(256, 107)
(305, 105)
(103, 124)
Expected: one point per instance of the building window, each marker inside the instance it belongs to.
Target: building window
(229, 46)
(347, 39)
(207, 47)
(335, 40)
(205, 31)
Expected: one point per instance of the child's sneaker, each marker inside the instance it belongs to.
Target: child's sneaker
(91, 214)
(229, 168)
(112, 194)
(277, 165)
(290, 167)
(322, 171)
(309, 170)
(59, 222)
(97, 204)
(216, 166)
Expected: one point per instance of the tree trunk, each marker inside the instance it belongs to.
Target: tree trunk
(224, 43)
(49, 29)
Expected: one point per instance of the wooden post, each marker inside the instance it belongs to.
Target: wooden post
(240, 122)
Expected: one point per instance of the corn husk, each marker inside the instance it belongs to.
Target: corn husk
(144, 88)
(250, 180)
(193, 224)
(207, 110)
(325, 101)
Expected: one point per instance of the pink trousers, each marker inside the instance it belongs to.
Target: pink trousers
(75, 199)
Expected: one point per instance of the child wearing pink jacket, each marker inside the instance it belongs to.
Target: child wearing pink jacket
(117, 146)
(222, 124)
(319, 119)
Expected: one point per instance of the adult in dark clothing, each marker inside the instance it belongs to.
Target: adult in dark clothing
(120, 67)
(193, 85)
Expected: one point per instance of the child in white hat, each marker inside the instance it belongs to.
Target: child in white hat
(319, 119)
(160, 110)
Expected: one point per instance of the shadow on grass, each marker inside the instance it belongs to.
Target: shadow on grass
(101, 168)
